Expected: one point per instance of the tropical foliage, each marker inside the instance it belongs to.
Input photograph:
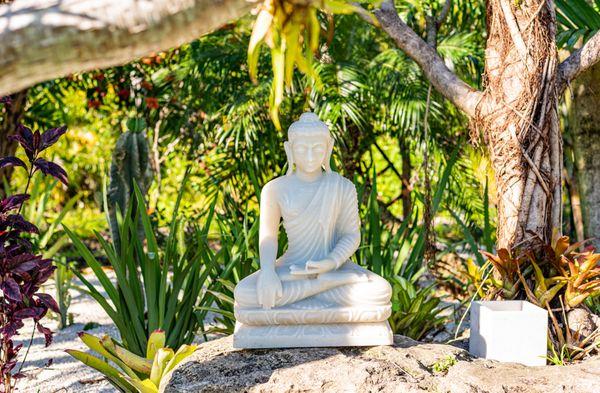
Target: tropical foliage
(156, 288)
(137, 373)
(198, 131)
(22, 272)
(559, 276)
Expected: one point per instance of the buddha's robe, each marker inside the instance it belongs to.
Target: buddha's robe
(327, 227)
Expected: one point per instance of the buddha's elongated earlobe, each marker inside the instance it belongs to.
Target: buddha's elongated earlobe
(327, 161)
(290, 157)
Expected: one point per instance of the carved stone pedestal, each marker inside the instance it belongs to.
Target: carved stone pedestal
(318, 335)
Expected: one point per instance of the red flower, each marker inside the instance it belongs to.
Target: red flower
(146, 85)
(123, 94)
(152, 102)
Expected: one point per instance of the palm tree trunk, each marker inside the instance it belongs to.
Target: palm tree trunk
(517, 113)
(585, 128)
(520, 120)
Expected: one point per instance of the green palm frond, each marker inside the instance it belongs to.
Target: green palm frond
(578, 20)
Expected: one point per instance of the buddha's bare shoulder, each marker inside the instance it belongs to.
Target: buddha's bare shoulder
(276, 185)
(347, 183)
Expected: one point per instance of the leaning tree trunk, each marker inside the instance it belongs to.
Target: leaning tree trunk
(47, 39)
(585, 128)
(519, 119)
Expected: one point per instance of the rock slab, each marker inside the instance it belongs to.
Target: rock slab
(407, 366)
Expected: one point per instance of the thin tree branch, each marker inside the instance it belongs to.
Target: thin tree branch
(365, 15)
(579, 61)
(46, 39)
(444, 14)
(444, 80)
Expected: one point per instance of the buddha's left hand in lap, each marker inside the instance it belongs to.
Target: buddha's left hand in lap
(313, 267)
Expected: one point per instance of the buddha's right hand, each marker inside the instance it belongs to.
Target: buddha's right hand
(268, 288)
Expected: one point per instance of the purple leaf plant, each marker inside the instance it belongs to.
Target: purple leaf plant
(22, 272)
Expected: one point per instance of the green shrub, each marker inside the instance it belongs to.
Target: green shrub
(415, 311)
(236, 258)
(154, 288)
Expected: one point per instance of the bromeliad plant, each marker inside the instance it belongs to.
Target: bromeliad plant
(507, 265)
(141, 374)
(560, 278)
(580, 271)
(415, 311)
(22, 272)
(558, 270)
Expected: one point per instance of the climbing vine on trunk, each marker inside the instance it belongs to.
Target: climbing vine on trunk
(518, 119)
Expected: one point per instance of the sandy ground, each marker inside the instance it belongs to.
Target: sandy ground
(65, 374)
(51, 370)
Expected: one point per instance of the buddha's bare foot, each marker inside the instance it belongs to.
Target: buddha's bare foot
(343, 276)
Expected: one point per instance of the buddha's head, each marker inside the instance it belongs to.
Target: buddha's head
(309, 145)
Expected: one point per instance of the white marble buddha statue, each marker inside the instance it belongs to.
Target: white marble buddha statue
(312, 295)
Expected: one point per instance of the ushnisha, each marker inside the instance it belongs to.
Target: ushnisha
(312, 295)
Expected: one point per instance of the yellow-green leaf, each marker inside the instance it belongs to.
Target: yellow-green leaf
(550, 293)
(338, 7)
(95, 344)
(540, 281)
(314, 29)
(183, 352)
(160, 362)
(111, 373)
(156, 341)
(292, 41)
(278, 60)
(145, 386)
(132, 360)
(259, 31)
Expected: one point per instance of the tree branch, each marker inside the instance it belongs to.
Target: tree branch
(444, 14)
(46, 39)
(579, 61)
(444, 80)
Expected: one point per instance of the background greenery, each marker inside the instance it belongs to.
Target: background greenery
(206, 121)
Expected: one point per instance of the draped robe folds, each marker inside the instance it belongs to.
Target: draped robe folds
(328, 227)
(314, 232)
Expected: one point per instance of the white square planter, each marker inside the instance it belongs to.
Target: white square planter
(509, 331)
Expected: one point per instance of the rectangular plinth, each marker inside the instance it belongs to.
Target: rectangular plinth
(320, 335)
(509, 331)
(293, 315)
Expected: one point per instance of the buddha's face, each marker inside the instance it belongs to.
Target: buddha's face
(310, 152)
